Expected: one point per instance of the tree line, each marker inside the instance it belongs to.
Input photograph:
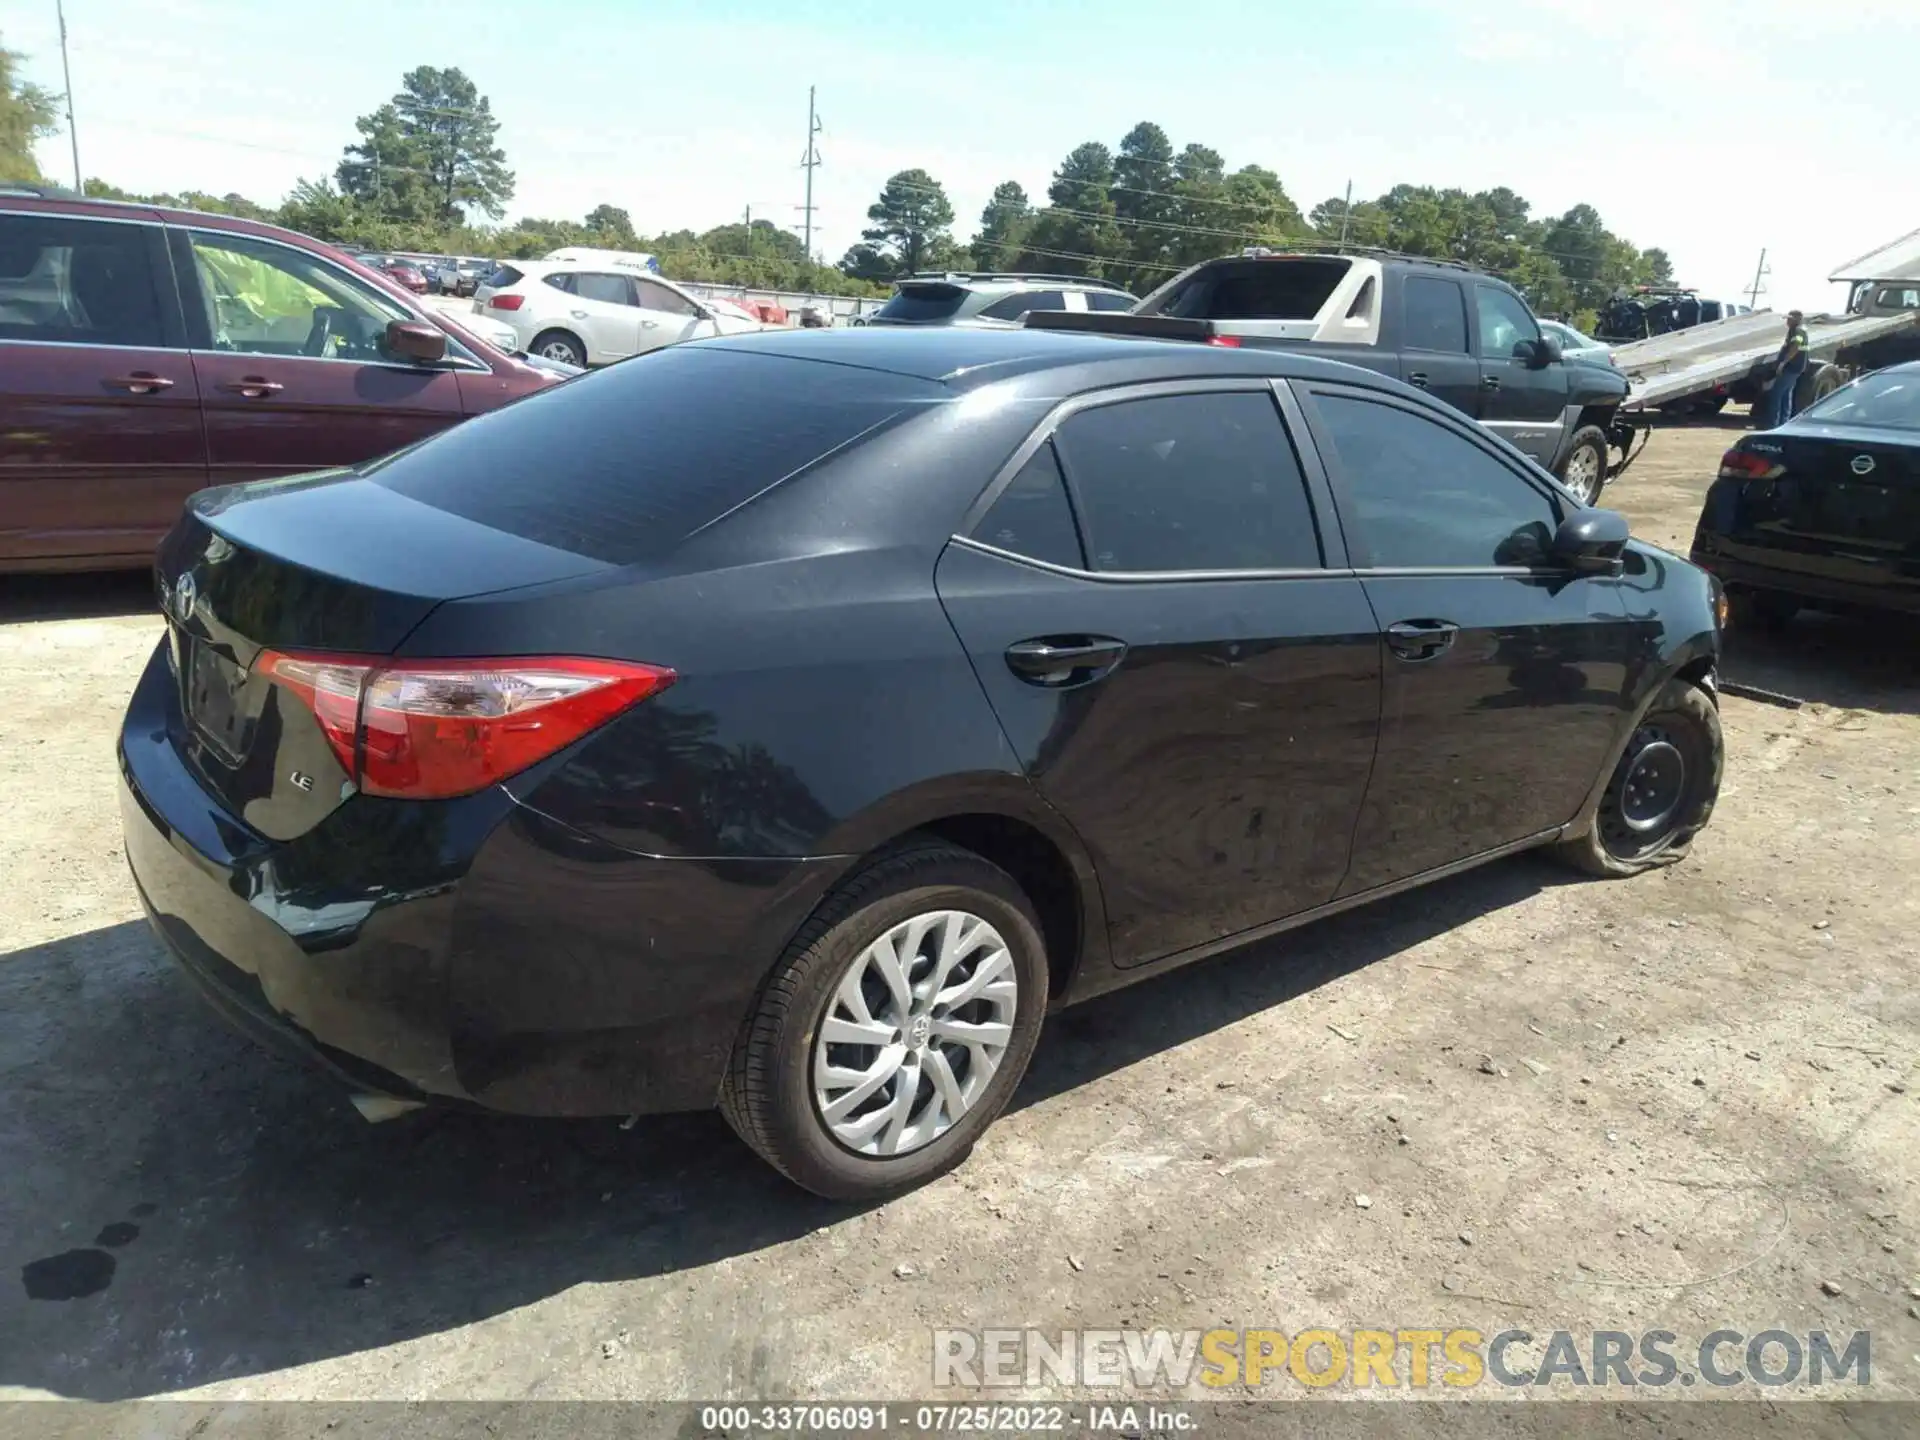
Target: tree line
(1141, 213)
(425, 174)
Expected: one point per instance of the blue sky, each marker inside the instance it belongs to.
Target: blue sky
(1710, 127)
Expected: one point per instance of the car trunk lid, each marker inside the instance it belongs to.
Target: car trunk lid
(1837, 489)
(327, 564)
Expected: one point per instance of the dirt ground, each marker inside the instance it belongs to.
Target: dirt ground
(1676, 1102)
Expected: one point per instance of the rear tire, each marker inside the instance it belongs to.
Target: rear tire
(787, 1077)
(559, 345)
(1584, 470)
(1662, 791)
(1819, 381)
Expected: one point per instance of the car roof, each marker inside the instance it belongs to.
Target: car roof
(965, 358)
(164, 214)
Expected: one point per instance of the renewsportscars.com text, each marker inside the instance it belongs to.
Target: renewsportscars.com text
(1415, 1359)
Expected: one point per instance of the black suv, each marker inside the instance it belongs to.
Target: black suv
(984, 299)
(1461, 335)
(723, 767)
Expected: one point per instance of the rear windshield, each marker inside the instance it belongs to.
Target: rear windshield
(1258, 290)
(501, 276)
(1889, 399)
(624, 464)
(924, 303)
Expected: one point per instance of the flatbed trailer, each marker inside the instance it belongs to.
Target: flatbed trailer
(1728, 358)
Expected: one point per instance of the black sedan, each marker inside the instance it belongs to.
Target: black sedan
(1825, 510)
(788, 722)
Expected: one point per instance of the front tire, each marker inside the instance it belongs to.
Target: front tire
(1584, 471)
(559, 345)
(895, 1028)
(1662, 791)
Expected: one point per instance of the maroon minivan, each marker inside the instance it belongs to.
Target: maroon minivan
(147, 353)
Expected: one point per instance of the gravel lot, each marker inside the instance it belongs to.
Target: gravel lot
(1679, 1101)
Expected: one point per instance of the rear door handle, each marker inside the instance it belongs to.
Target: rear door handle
(1418, 379)
(140, 382)
(1421, 639)
(254, 387)
(1059, 661)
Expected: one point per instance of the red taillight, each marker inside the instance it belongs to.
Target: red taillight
(1232, 342)
(505, 302)
(434, 729)
(1738, 464)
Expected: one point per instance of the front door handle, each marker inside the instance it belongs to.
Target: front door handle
(1418, 379)
(1489, 382)
(1421, 639)
(140, 382)
(649, 324)
(254, 387)
(1058, 661)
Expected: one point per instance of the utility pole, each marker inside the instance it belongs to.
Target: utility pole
(1346, 214)
(810, 162)
(66, 70)
(1760, 273)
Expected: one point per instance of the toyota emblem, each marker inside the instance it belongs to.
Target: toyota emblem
(1863, 464)
(186, 594)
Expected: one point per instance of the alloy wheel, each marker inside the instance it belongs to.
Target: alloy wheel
(1583, 474)
(914, 1033)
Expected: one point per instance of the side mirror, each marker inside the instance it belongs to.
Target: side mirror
(417, 341)
(1592, 542)
(1538, 353)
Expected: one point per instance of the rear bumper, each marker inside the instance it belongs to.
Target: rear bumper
(529, 968)
(1853, 582)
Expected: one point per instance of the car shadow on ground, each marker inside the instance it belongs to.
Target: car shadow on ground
(213, 1213)
(1851, 662)
(26, 598)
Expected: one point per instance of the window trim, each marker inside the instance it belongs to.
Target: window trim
(1320, 497)
(187, 275)
(160, 268)
(1360, 556)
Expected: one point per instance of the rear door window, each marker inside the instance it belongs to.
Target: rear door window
(1435, 315)
(1109, 300)
(1189, 482)
(77, 282)
(1033, 517)
(623, 464)
(607, 289)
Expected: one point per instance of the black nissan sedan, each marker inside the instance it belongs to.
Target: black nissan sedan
(789, 722)
(1825, 510)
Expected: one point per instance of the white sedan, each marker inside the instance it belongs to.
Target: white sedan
(587, 314)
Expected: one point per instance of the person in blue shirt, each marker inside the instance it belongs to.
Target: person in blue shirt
(1788, 367)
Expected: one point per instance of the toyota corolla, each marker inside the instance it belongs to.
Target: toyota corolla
(789, 722)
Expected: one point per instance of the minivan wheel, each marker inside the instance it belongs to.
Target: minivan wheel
(1766, 610)
(895, 1027)
(559, 345)
(1662, 791)
(1585, 470)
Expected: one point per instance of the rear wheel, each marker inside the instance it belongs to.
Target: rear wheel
(1584, 471)
(1662, 791)
(559, 345)
(1819, 381)
(895, 1028)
